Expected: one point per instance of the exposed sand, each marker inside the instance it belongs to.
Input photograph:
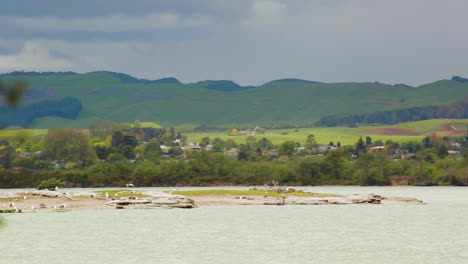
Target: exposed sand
(53, 204)
(35, 203)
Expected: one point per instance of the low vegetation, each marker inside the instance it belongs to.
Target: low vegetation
(50, 184)
(252, 192)
(121, 193)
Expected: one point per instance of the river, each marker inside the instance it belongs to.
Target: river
(436, 232)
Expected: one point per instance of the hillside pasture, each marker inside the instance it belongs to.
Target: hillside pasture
(13, 133)
(109, 96)
(322, 136)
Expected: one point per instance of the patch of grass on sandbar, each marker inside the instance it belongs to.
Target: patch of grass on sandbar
(10, 199)
(120, 193)
(251, 193)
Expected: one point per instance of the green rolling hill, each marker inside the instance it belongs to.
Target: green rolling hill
(122, 98)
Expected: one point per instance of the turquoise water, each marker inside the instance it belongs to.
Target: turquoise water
(431, 233)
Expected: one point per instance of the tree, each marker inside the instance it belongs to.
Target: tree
(251, 141)
(335, 162)
(176, 151)
(205, 141)
(264, 143)
(7, 156)
(130, 140)
(102, 150)
(360, 147)
(365, 163)
(310, 142)
(442, 151)
(260, 130)
(115, 157)
(308, 170)
(144, 173)
(65, 144)
(50, 184)
(173, 133)
(152, 150)
(234, 127)
(368, 141)
(117, 139)
(287, 148)
(127, 151)
(242, 155)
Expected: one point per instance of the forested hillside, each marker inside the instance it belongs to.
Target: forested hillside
(457, 109)
(287, 102)
(68, 108)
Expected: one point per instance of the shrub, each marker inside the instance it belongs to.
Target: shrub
(50, 184)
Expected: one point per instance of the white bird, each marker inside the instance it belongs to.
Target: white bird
(33, 207)
(116, 195)
(55, 207)
(172, 190)
(64, 205)
(133, 191)
(56, 188)
(24, 197)
(107, 195)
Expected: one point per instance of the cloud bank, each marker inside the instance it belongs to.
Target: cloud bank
(250, 42)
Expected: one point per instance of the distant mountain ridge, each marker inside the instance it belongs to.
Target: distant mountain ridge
(119, 97)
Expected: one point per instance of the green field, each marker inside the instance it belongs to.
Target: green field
(431, 125)
(252, 192)
(460, 126)
(323, 135)
(10, 134)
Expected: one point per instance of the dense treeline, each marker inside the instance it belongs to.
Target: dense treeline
(122, 156)
(456, 110)
(68, 108)
(211, 168)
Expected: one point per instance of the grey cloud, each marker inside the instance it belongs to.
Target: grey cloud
(93, 8)
(113, 23)
(251, 42)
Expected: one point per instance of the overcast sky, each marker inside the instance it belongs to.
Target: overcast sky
(247, 41)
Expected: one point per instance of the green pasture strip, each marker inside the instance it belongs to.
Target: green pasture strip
(6, 133)
(432, 125)
(249, 192)
(121, 193)
(322, 136)
(460, 126)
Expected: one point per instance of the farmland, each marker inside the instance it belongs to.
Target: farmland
(345, 135)
(323, 135)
